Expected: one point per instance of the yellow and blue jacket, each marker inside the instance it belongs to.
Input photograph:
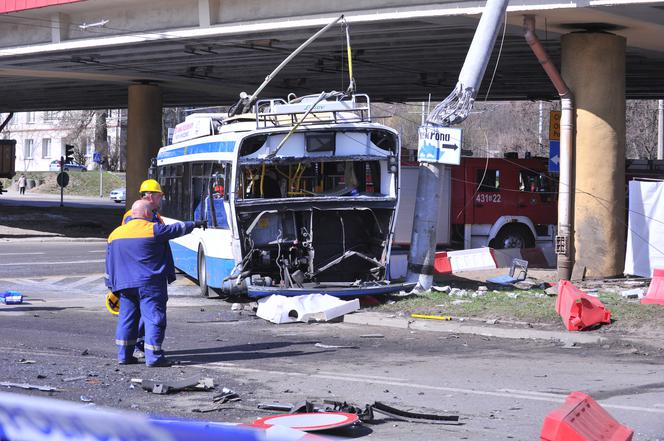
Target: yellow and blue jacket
(137, 253)
(155, 217)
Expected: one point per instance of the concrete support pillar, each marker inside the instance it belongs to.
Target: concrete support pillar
(59, 27)
(206, 12)
(593, 66)
(143, 134)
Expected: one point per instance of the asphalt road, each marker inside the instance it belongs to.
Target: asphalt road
(29, 258)
(502, 389)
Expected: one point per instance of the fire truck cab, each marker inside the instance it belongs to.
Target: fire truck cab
(503, 203)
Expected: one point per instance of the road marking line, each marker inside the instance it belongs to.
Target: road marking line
(19, 254)
(533, 392)
(26, 282)
(342, 374)
(53, 262)
(83, 281)
(410, 385)
(97, 251)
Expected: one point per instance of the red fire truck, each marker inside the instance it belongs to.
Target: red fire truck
(502, 203)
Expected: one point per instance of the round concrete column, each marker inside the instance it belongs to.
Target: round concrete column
(143, 134)
(593, 66)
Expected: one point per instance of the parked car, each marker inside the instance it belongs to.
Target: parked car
(119, 195)
(55, 166)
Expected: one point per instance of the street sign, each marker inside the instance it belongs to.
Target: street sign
(63, 179)
(554, 156)
(96, 157)
(554, 125)
(439, 144)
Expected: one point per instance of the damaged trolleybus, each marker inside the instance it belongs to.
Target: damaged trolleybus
(300, 197)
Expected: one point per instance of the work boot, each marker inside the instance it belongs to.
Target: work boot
(161, 362)
(130, 360)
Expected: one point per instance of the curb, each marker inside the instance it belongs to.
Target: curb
(387, 320)
(50, 239)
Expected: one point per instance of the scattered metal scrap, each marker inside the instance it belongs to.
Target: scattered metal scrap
(324, 346)
(414, 417)
(226, 396)
(29, 386)
(365, 414)
(161, 388)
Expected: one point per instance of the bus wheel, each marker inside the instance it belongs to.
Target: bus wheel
(202, 273)
(513, 237)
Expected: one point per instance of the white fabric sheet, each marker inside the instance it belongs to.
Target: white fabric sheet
(645, 235)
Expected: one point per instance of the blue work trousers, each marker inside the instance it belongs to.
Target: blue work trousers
(149, 304)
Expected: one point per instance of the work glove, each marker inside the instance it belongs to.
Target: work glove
(201, 224)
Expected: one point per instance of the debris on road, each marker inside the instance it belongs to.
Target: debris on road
(635, 293)
(70, 379)
(372, 336)
(226, 396)
(187, 384)
(25, 361)
(11, 297)
(414, 417)
(29, 386)
(432, 317)
(445, 289)
(313, 307)
(86, 399)
(518, 273)
(365, 414)
(324, 346)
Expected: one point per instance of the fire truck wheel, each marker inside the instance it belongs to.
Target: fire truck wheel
(514, 237)
(202, 274)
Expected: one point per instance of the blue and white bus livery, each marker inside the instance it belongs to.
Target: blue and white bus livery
(300, 197)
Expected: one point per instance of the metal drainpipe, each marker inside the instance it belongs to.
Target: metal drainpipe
(660, 129)
(565, 236)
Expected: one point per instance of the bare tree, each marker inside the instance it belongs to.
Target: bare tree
(641, 129)
(77, 125)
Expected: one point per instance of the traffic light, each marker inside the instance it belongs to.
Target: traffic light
(69, 153)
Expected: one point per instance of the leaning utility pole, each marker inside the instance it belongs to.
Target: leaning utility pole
(453, 110)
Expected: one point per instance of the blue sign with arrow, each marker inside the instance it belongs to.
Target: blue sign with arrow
(439, 144)
(554, 156)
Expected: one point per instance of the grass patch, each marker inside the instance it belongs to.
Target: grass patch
(532, 306)
(80, 183)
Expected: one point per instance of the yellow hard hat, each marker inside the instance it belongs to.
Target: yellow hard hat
(112, 303)
(150, 186)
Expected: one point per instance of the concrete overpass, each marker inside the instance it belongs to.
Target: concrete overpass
(75, 54)
(204, 52)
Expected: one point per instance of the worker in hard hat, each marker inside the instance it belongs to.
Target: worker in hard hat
(150, 191)
(138, 270)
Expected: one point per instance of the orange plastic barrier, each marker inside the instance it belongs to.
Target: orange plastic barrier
(441, 263)
(655, 292)
(582, 419)
(579, 310)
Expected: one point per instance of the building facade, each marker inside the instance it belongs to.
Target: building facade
(41, 137)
